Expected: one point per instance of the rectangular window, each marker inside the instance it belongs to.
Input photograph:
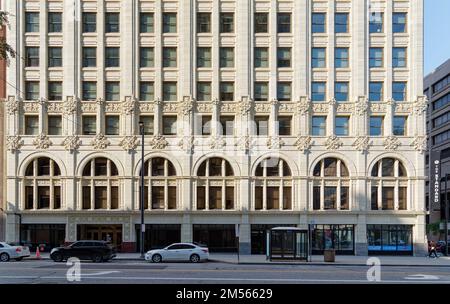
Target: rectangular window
(258, 198)
(318, 58)
(341, 23)
(89, 90)
(203, 57)
(273, 198)
(342, 126)
(89, 22)
(32, 56)
(57, 197)
(89, 57)
(157, 197)
(201, 198)
(112, 125)
(261, 57)
(101, 197)
(146, 91)
(55, 125)
(376, 125)
(284, 91)
(29, 197)
(215, 198)
(399, 91)
(399, 22)
(376, 57)
(330, 198)
(341, 58)
(54, 57)
(376, 22)
(112, 91)
(262, 125)
(388, 198)
(284, 22)
(227, 22)
(284, 57)
(172, 197)
(345, 202)
(32, 90)
(204, 91)
(287, 198)
(227, 57)
(318, 23)
(147, 55)
(112, 57)
(399, 57)
(148, 122)
(89, 125)
(31, 125)
(169, 57)
(55, 90)
(374, 198)
(402, 198)
(227, 91)
(318, 91)
(86, 197)
(54, 22)
(43, 198)
(319, 125)
(284, 126)
(376, 91)
(316, 198)
(341, 91)
(169, 91)
(227, 125)
(114, 197)
(261, 22)
(169, 125)
(169, 22)
(206, 125)
(203, 22)
(31, 22)
(399, 127)
(147, 23)
(112, 22)
(261, 91)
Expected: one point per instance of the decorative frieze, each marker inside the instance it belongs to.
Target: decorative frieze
(170, 107)
(362, 143)
(333, 143)
(71, 143)
(113, 107)
(100, 142)
(55, 107)
(391, 143)
(146, 107)
(244, 107)
(186, 105)
(361, 105)
(187, 144)
(42, 142)
(89, 107)
(420, 144)
(217, 142)
(129, 105)
(12, 105)
(303, 105)
(275, 142)
(420, 105)
(14, 143)
(70, 105)
(303, 143)
(31, 107)
(158, 142)
(262, 107)
(320, 107)
(129, 143)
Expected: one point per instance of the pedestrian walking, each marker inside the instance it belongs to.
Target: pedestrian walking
(432, 250)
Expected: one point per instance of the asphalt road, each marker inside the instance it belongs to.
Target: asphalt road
(123, 272)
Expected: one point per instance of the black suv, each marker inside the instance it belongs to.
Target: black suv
(97, 251)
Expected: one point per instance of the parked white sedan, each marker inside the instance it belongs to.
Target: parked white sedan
(178, 252)
(10, 251)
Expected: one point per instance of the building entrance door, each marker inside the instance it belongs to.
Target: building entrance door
(109, 233)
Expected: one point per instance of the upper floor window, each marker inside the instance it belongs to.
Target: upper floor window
(89, 22)
(227, 91)
(112, 91)
(112, 22)
(204, 22)
(149, 124)
(399, 22)
(54, 90)
(32, 56)
(376, 126)
(319, 126)
(146, 91)
(31, 22)
(54, 125)
(169, 125)
(341, 91)
(399, 126)
(227, 125)
(31, 90)
(170, 91)
(261, 91)
(285, 125)
(54, 22)
(261, 57)
(341, 23)
(318, 58)
(376, 22)
(89, 90)
(376, 57)
(227, 22)
(112, 125)
(89, 57)
(227, 57)
(284, 91)
(318, 23)
(261, 22)
(147, 23)
(204, 91)
(399, 91)
(376, 91)
(89, 125)
(54, 57)
(31, 125)
(441, 84)
(342, 127)
(341, 58)
(169, 22)
(147, 57)
(262, 125)
(399, 57)
(318, 91)
(284, 57)
(169, 57)
(284, 22)
(112, 57)
(204, 57)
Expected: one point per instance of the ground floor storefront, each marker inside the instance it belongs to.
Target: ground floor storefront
(348, 235)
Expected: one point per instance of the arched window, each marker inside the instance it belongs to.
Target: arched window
(389, 185)
(160, 190)
(273, 185)
(100, 185)
(42, 184)
(215, 185)
(331, 185)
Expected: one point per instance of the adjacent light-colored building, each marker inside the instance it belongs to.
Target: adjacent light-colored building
(256, 114)
(2, 137)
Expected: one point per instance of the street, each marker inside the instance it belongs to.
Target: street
(137, 272)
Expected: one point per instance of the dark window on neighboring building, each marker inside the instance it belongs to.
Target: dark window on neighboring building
(441, 102)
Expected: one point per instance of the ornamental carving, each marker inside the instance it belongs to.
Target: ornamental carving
(31, 107)
(70, 106)
(113, 107)
(244, 106)
(391, 143)
(215, 101)
(170, 107)
(320, 107)
(333, 143)
(42, 141)
(361, 105)
(71, 143)
(420, 105)
(332, 102)
(55, 107)
(390, 102)
(204, 107)
(128, 105)
(158, 142)
(303, 143)
(187, 143)
(158, 101)
(420, 144)
(42, 101)
(100, 101)
(303, 105)
(274, 102)
(129, 143)
(186, 105)
(217, 142)
(100, 142)
(245, 143)
(89, 107)
(262, 107)
(403, 107)
(275, 142)
(146, 107)
(12, 105)
(228, 107)
(14, 143)
(362, 143)
(345, 107)
(287, 107)
(378, 107)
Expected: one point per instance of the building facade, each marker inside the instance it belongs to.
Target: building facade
(255, 114)
(437, 90)
(2, 137)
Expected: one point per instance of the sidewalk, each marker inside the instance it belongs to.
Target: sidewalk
(316, 260)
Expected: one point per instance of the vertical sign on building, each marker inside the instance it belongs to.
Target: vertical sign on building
(435, 177)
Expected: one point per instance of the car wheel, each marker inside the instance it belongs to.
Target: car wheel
(157, 258)
(195, 258)
(97, 258)
(57, 257)
(19, 259)
(4, 257)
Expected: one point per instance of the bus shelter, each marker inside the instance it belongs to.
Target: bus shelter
(287, 243)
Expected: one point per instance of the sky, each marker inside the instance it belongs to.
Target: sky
(437, 33)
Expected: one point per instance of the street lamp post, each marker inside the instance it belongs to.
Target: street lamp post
(141, 130)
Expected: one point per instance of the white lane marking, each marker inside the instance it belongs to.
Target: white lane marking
(99, 273)
(421, 277)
